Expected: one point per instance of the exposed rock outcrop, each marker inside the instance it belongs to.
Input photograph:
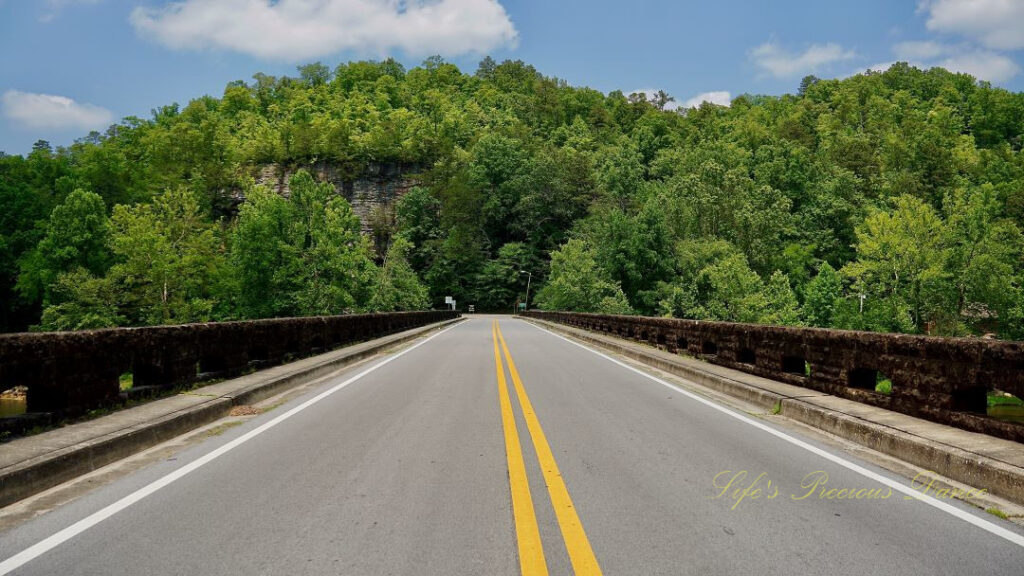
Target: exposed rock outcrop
(372, 195)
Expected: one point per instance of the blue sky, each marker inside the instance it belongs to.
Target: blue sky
(70, 66)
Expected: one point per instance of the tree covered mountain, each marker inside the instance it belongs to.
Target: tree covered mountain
(885, 201)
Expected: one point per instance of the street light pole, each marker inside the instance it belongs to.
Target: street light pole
(529, 278)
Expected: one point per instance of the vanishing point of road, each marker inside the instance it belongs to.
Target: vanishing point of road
(497, 448)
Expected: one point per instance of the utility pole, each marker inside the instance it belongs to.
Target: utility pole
(529, 278)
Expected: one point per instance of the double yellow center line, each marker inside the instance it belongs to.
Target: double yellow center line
(531, 551)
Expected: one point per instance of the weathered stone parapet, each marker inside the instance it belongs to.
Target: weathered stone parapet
(942, 379)
(68, 373)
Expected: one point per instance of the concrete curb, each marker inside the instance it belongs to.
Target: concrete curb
(999, 477)
(40, 471)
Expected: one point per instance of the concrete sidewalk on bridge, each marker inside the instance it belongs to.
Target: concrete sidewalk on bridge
(35, 463)
(977, 460)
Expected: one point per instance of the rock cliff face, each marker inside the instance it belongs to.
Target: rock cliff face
(372, 195)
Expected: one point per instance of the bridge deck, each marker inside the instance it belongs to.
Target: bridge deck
(403, 467)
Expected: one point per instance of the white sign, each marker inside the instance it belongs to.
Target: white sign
(448, 300)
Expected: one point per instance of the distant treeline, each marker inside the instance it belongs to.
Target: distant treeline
(886, 201)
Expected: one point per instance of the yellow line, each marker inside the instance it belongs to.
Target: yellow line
(531, 552)
(580, 553)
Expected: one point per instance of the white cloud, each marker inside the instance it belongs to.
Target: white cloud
(720, 97)
(924, 50)
(294, 30)
(985, 26)
(978, 62)
(53, 7)
(996, 24)
(781, 63)
(45, 111)
(982, 64)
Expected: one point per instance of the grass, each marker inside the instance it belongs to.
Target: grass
(997, 398)
(222, 428)
(777, 409)
(884, 385)
(97, 412)
(277, 404)
(997, 513)
(807, 369)
(1005, 407)
(127, 380)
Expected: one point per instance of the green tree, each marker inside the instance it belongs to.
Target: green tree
(458, 264)
(303, 255)
(780, 304)
(497, 162)
(555, 190)
(264, 256)
(730, 291)
(635, 251)
(678, 300)
(501, 281)
(85, 303)
(76, 237)
(621, 175)
(397, 286)
(168, 258)
(985, 253)
(23, 206)
(314, 74)
(577, 283)
(821, 296)
(417, 215)
(901, 258)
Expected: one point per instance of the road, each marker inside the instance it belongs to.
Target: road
(498, 448)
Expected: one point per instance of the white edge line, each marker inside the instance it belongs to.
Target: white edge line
(949, 509)
(47, 544)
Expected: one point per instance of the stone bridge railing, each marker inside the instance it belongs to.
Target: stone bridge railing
(68, 373)
(946, 380)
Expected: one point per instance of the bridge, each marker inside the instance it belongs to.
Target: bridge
(551, 444)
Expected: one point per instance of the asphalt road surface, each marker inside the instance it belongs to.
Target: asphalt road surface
(497, 448)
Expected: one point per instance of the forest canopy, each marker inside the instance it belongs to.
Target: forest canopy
(889, 201)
